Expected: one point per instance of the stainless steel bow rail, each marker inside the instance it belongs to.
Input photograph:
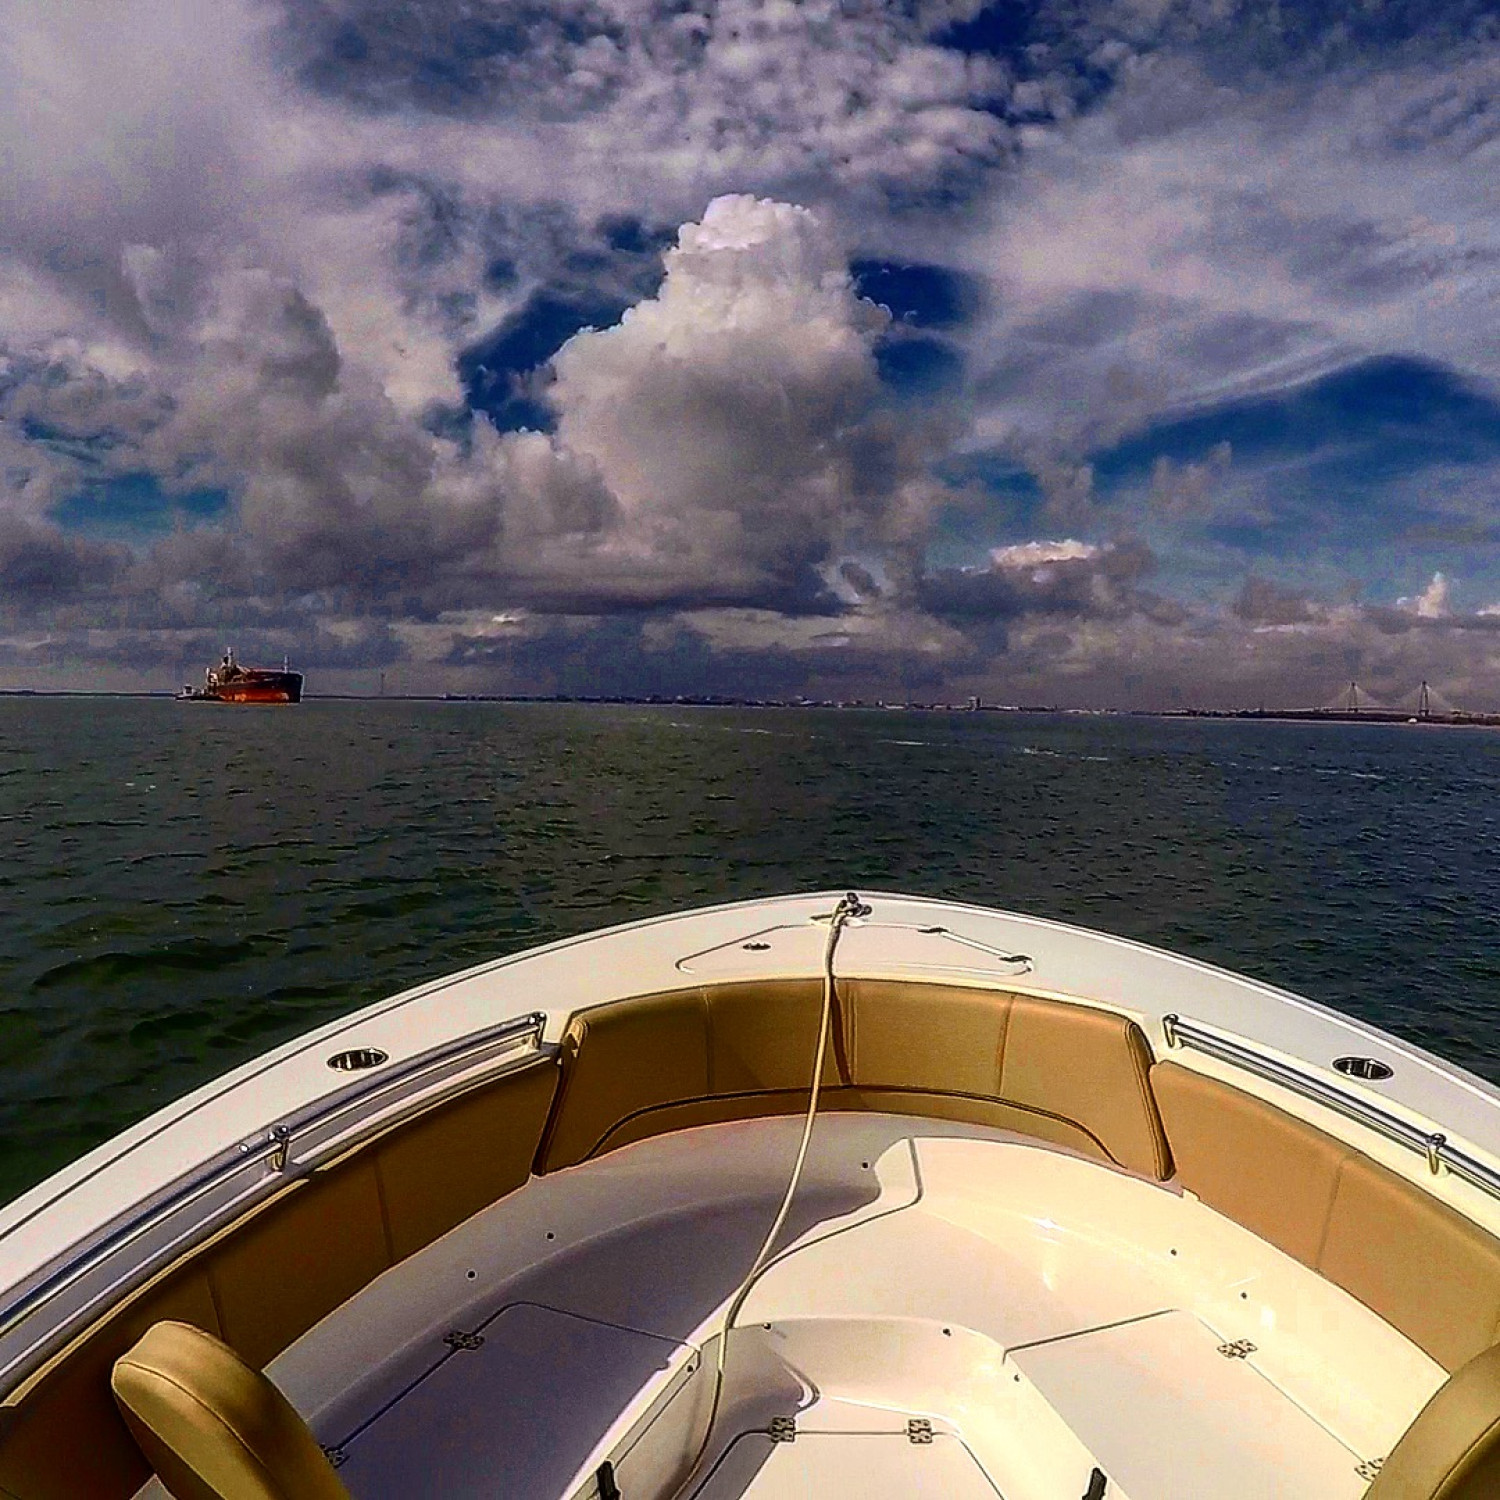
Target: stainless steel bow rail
(1436, 1147)
(232, 1181)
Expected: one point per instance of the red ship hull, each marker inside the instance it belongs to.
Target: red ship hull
(278, 687)
(250, 685)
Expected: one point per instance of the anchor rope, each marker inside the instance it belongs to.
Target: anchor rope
(848, 906)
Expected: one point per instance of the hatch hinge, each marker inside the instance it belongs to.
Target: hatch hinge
(336, 1456)
(918, 1430)
(783, 1429)
(1238, 1349)
(1368, 1468)
(458, 1339)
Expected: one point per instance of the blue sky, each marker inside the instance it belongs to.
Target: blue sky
(1115, 352)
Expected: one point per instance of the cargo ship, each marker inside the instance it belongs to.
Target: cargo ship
(229, 682)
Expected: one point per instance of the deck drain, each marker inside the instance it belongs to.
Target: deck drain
(356, 1059)
(1368, 1068)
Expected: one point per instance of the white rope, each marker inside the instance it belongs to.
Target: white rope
(848, 906)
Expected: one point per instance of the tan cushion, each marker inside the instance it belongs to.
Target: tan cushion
(213, 1428)
(1424, 1267)
(992, 1112)
(61, 1437)
(1420, 1264)
(303, 1255)
(1254, 1163)
(1452, 1450)
(438, 1170)
(1091, 1066)
(265, 1280)
(765, 1036)
(621, 1059)
(936, 1037)
(1067, 1073)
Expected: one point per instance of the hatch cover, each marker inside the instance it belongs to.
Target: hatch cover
(847, 1466)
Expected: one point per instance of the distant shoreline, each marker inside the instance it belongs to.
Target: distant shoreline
(1254, 715)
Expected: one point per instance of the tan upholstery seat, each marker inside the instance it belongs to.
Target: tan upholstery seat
(1070, 1074)
(263, 1281)
(213, 1428)
(1074, 1063)
(1421, 1265)
(1452, 1450)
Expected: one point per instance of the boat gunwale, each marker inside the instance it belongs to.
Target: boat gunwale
(548, 1022)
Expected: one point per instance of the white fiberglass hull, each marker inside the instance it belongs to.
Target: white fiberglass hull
(957, 1303)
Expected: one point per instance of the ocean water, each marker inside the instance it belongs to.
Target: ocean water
(183, 886)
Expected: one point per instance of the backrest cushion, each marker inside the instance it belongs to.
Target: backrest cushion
(1088, 1065)
(619, 1060)
(1073, 1064)
(213, 1428)
(1253, 1162)
(1452, 1450)
(266, 1279)
(1067, 1073)
(1419, 1264)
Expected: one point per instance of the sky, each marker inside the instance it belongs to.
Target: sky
(1096, 353)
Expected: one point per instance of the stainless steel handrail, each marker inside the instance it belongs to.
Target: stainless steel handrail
(1438, 1150)
(274, 1147)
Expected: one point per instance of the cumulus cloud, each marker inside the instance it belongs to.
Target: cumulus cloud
(1043, 577)
(1262, 603)
(669, 104)
(1431, 603)
(255, 255)
(1187, 489)
(721, 444)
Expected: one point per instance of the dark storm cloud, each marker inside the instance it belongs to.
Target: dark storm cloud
(1261, 602)
(41, 565)
(1069, 578)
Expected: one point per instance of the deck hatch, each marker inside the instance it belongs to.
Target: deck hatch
(515, 1406)
(846, 1466)
(1119, 1389)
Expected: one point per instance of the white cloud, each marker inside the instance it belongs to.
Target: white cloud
(231, 262)
(1037, 554)
(1431, 603)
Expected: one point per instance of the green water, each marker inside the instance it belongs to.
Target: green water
(183, 886)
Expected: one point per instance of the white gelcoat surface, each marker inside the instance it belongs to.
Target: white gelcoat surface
(1044, 1312)
(1167, 1417)
(818, 1466)
(62, 1216)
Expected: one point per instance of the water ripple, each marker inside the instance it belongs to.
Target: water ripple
(294, 866)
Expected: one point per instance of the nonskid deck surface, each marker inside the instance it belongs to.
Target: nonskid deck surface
(958, 1313)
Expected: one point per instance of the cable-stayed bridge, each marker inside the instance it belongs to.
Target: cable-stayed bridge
(1424, 704)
